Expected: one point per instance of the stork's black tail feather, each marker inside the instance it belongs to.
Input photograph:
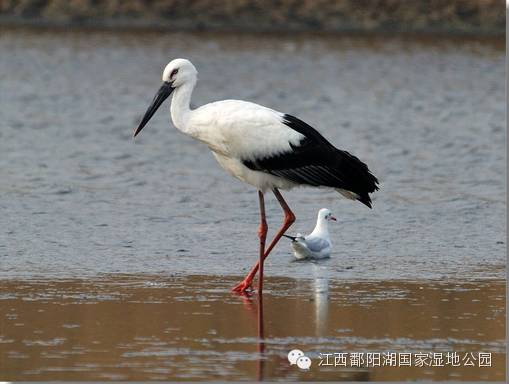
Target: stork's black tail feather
(321, 163)
(315, 161)
(355, 176)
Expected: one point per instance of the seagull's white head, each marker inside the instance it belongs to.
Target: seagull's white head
(325, 215)
(177, 73)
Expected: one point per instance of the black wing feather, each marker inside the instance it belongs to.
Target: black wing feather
(317, 162)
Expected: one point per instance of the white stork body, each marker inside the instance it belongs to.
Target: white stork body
(261, 147)
(236, 130)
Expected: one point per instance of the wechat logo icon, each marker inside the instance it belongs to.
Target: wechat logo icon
(297, 357)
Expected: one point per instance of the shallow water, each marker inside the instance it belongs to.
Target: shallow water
(185, 328)
(79, 196)
(81, 200)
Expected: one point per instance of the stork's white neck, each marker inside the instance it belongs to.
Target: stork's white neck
(180, 104)
(321, 228)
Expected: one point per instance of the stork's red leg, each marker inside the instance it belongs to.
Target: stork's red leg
(262, 234)
(245, 285)
(289, 220)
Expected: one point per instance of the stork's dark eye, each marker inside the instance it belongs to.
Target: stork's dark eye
(173, 73)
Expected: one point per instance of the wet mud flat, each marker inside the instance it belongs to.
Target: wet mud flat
(192, 328)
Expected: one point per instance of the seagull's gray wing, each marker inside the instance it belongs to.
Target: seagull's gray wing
(316, 244)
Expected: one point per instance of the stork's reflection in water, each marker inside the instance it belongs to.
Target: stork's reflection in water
(261, 340)
(319, 291)
(249, 304)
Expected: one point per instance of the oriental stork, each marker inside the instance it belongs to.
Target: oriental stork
(262, 147)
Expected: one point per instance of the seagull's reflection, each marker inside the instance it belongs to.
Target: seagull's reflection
(321, 296)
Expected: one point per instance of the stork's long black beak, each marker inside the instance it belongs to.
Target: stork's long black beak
(161, 95)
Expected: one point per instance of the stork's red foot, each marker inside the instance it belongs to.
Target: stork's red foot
(243, 287)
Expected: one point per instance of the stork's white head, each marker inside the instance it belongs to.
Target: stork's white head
(325, 215)
(177, 73)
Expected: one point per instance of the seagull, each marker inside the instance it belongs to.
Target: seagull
(262, 147)
(317, 244)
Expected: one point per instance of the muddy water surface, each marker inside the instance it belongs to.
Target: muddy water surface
(180, 328)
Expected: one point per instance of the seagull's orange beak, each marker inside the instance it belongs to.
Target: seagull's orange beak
(333, 218)
(161, 95)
